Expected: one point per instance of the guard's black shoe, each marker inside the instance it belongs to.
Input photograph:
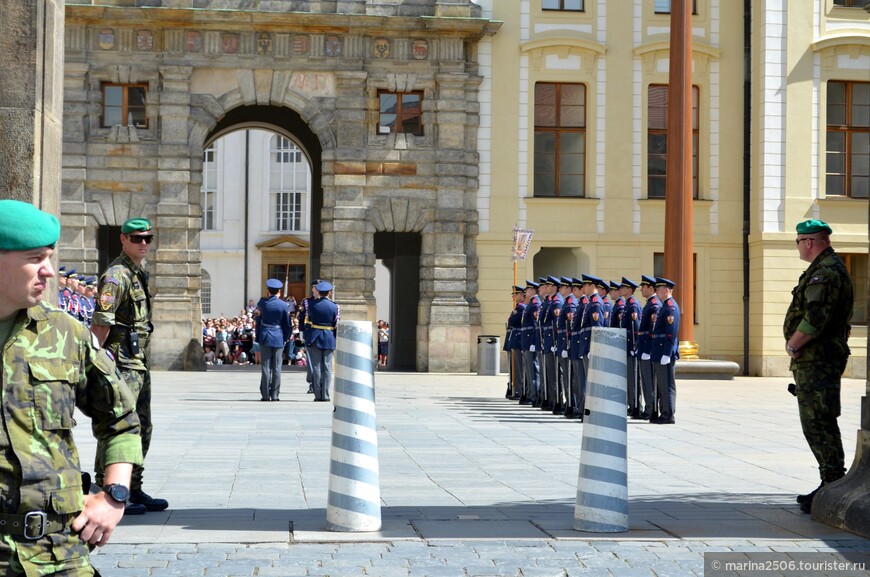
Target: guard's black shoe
(524, 400)
(134, 509)
(644, 416)
(310, 390)
(807, 506)
(150, 503)
(569, 412)
(557, 409)
(808, 498)
(635, 414)
(546, 406)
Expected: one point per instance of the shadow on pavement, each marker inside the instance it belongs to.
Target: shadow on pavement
(688, 516)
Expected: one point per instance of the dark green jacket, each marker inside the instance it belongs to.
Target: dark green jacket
(821, 307)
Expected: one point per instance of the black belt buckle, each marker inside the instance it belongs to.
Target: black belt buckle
(29, 518)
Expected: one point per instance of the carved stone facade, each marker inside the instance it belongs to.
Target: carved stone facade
(312, 66)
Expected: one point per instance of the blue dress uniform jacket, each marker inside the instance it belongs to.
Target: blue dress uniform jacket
(515, 326)
(576, 327)
(530, 325)
(665, 330)
(644, 330)
(593, 316)
(549, 323)
(273, 324)
(320, 323)
(616, 313)
(631, 316)
(566, 313)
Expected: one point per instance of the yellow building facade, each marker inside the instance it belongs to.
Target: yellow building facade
(572, 147)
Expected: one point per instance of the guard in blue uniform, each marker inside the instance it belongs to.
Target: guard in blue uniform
(273, 329)
(630, 321)
(513, 343)
(603, 288)
(321, 323)
(666, 350)
(548, 345)
(578, 375)
(643, 346)
(564, 313)
(593, 316)
(530, 344)
(618, 305)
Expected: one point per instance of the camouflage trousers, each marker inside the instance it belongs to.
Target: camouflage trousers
(139, 382)
(61, 554)
(819, 409)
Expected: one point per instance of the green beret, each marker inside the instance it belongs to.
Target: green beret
(25, 227)
(136, 225)
(813, 226)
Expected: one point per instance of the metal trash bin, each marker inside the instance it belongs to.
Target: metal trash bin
(488, 355)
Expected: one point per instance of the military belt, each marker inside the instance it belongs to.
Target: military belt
(270, 326)
(322, 327)
(33, 525)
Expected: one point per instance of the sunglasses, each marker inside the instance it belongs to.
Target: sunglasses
(800, 240)
(140, 238)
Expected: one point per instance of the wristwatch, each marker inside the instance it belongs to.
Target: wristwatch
(791, 350)
(117, 492)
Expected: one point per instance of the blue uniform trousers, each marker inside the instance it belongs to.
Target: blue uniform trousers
(666, 388)
(321, 371)
(532, 370)
(647, 382)
(270, 372)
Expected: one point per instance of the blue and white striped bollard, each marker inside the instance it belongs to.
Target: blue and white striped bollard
(602, 484)
(354, 502)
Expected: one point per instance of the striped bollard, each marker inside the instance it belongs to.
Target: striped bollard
(602, 485)
(354, 502)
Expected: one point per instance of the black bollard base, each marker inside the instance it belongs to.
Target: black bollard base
(845, 504)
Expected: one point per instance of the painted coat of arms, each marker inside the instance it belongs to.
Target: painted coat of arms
(193, 41)
(420, 49)
(382, 48)
(301, 44)
(230, 43)
(264, 44)
(106, 40)
(144, 40)
(332, 46)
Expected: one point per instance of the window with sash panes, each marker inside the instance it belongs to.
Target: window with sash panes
(209, 188)
(563, 5)
(847, 158)
(560, 140)
(289, 183)
(657, 141)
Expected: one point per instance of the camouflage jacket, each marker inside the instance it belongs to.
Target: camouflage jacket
(124, 304)
(821, 307)
(50, 367)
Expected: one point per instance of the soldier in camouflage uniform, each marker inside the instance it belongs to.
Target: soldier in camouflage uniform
(816, 331)
(50, 367)
(122, 324)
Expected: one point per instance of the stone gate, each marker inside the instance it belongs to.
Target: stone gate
(148, 86)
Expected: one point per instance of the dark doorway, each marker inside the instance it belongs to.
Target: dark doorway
(108, 246)
(400, 253)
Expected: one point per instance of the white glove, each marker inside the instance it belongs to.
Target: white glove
(531, 348)
(552, 349)
(644, 357)
(666, 360)
(632, 353)
(564, 354)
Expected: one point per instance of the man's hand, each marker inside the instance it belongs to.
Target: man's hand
(99, 518)
(666, 360)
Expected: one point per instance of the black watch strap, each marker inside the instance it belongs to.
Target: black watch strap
(119, 493)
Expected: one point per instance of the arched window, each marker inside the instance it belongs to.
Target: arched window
(205, 292)
(289, 183)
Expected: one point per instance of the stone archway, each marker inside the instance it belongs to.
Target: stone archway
(318, 75)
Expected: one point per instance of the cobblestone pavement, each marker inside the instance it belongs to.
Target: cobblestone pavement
(471, 484)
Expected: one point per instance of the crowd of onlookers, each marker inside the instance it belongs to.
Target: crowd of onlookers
(232, 341)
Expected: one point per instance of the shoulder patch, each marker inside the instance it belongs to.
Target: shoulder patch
(107, 299)
(111, 280)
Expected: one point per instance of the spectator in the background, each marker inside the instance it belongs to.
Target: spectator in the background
(383, 343)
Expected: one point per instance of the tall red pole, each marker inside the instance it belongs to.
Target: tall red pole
(679, 226)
